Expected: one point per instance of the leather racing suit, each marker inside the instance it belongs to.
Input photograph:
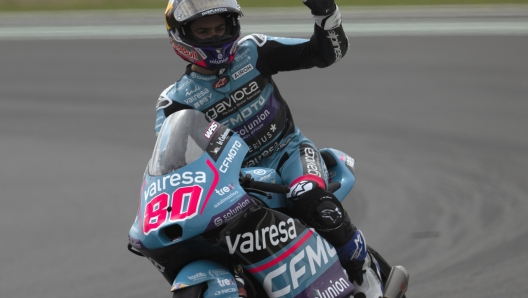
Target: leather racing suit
(246, 99)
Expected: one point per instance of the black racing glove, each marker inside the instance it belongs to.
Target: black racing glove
(320, 7)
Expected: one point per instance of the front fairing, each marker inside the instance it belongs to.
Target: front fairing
(191, 183)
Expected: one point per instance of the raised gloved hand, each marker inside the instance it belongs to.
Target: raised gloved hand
(320, 7)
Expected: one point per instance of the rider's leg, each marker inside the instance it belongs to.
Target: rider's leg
(322, 211)
(304, 171)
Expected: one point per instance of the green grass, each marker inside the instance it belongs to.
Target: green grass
(38, 5)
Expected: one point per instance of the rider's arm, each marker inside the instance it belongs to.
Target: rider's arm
(327, 45)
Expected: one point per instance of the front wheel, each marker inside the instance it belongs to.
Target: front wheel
(196, 291)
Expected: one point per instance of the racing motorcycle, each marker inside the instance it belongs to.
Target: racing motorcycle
(215, 229)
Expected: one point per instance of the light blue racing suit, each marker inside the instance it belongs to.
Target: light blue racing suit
(245, 99)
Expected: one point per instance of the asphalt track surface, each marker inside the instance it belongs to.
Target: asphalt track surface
(438, 125)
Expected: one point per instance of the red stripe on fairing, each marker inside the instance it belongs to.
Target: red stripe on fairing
(283, 256)
(213, 185)
(310, 177)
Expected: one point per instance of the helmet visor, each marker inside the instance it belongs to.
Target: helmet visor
(187, 10)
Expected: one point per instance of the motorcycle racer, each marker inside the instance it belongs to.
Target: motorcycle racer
(229, 79)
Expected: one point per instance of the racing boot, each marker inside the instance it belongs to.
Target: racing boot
(361, 267)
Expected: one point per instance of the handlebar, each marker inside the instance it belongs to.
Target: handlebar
(271, 187)
(248, 182)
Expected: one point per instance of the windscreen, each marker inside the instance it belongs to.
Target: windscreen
(182, 140)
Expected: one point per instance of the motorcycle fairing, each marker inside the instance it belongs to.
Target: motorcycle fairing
(220, 282)
(180, 202)
(191, 202)
(284, 256)
(342, 171)
(277, 200)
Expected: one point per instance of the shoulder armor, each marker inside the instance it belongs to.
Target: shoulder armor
(164, 100)
(259, 39)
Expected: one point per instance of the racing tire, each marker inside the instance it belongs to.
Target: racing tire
(196, 291)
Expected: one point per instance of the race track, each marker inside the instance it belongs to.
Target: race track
(438, 125)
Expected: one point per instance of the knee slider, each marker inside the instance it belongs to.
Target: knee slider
(322, 211)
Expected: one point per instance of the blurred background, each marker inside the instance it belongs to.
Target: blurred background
(7, 5)
(431, 100)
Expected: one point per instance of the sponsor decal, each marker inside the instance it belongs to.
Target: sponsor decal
(335, 289)
(223, 282)
(223, 137)
(311, 160)
(256, 124)
(225, 189)
(221, 82)
(230, 156)
(267, 178)
(136, 243)
(246, 69)
(191, 54)
(219, 61)
(218, 142)
(259, 172)
(334, 38)
(195, 75)
(235, 194)
(189, 92)
(244, 203)
(211, 129)
(241, 55)
(203, 101)
(181, 205)
(196, 96)
(184, 84)
(238, 98)
(309, 259)
(225, 291)
(214, 11)
(361, 249)
(263, 128)
(174, 180)
(268, 152)
(258, 240)
(218, 272)
(197, 276)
